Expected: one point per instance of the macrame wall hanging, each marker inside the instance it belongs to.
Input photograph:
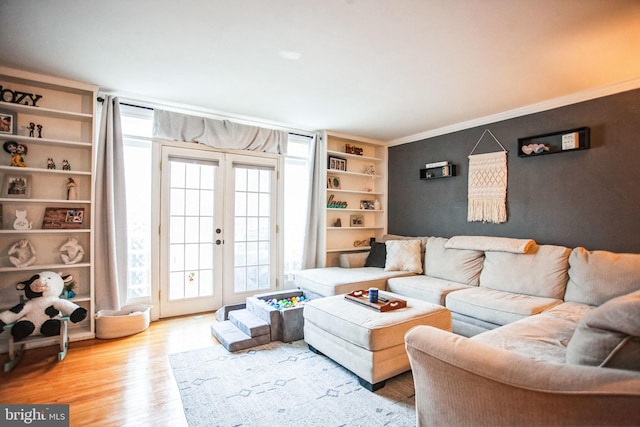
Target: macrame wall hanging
(488, 184)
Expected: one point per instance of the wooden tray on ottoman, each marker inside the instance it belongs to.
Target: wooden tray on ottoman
(383, 304)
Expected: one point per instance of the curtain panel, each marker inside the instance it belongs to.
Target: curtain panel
(313, 251)
(220, 134)
(110, 212)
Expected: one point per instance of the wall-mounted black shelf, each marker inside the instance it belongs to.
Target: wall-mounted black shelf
(554, 142)
(438, 172)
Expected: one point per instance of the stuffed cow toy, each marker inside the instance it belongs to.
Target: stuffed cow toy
(40, 314)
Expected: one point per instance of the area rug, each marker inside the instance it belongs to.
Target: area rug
(284, 384)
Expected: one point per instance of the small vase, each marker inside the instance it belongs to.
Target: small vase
(376, 205)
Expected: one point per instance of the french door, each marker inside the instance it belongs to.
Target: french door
(218, 235)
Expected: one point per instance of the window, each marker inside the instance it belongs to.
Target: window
(296, 194)
(137, 125)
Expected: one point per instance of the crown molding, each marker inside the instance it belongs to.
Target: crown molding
(523, 111)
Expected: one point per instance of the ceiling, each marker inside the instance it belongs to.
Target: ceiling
(382, 69)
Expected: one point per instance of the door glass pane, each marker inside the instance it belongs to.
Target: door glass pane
(192, 231)
(252, 228)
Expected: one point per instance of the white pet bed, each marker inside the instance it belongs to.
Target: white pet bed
(129, 320)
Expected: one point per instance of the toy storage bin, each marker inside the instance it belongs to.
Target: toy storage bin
(129, 320)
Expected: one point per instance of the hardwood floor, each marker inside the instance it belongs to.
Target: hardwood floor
(121, 382)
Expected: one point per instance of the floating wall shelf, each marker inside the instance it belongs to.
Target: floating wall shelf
(574, 139)
(446, 171)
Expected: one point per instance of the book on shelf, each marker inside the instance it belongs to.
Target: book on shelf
(436, 164)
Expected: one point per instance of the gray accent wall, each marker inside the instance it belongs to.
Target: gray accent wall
(588, 198)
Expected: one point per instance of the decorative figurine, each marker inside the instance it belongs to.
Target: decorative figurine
(72, 189)
(50, 163)
(71, 251)
(65, 165)
(371, 170)
(39, 131)
(22, 254)
(17, 152)
(21, 151)
(32, 128)
(21, 222)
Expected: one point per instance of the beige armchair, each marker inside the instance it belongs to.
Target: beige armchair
(460, 382)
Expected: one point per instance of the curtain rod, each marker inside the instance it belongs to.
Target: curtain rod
(101, 99)
(218, 116)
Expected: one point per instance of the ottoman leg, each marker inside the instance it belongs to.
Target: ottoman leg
(364, 383)
(371, 387)
(315, 350)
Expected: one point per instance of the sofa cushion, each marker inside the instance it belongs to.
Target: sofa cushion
(425, 288)
(541, 337)
(404, 255)
(336, 280)
(497, 307)
(609, 335)
(457, 265)
(542, 271)
(597, 276)
(377, 255)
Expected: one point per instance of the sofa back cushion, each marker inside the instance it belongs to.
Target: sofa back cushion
(597, 276)
(542, 271)
(609, 335)
(456, 265)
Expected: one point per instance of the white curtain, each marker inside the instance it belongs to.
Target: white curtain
(110, 212)
(312, 254)
(221, 134)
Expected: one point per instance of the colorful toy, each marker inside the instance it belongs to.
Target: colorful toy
(283, 304)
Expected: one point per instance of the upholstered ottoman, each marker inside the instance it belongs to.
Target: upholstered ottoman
(367, 342)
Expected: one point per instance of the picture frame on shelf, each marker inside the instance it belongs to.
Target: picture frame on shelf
(8, 125)
(62, 218)
(357, 220)
(367, 204)
(337, 163)
(16, 185)
(333, 182)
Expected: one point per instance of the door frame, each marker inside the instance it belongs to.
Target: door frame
(156, 155)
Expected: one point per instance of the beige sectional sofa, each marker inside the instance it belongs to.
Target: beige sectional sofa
(549, 332)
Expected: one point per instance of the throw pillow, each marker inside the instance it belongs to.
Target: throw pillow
(609, 335)
(404, 255)
(377, 255)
